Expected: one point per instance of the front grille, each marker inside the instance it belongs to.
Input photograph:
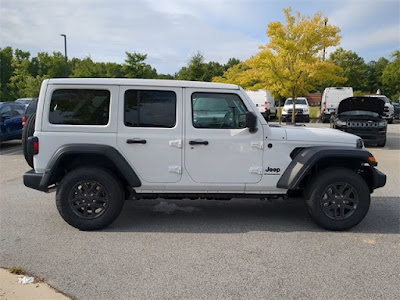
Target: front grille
(362, 124)
(298, 111)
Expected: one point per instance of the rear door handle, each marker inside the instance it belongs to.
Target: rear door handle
(136, 141)
(197, 142)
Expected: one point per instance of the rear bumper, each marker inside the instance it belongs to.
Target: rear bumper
(36, 181)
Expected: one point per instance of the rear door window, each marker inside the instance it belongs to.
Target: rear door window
(80, 107)
(150, 108)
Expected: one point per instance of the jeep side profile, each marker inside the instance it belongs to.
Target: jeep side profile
(98, 142)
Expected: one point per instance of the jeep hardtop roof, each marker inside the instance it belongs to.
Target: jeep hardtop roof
(143, 82)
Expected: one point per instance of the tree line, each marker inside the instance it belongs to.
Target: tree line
(21, 75)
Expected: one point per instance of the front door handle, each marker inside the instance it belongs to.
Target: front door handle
(197, 142)
(136, 141)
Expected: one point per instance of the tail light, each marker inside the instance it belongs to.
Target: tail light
(266, 105)
(23, 121)
(33, 145)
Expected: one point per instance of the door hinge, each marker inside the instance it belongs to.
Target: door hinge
(256, 170)
(175, 169)
(176, 143)
(259, 145)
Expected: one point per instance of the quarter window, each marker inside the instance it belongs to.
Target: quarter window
(217, 110)
(80, 107)
(149, 108)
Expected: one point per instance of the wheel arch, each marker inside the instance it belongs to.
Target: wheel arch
(72, 156)
(309, 161)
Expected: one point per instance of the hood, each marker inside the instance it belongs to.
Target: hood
(371, 104)
(318, 135)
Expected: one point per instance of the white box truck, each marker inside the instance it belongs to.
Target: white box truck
(331, 99)
(264, 102)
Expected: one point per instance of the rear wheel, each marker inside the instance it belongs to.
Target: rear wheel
(89, 198)
(338, 199)
(28, 131)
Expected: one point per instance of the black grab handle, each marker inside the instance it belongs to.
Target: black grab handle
(136, 141)
(198, 142)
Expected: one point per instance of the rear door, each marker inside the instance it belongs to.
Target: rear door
(218, 147)
(150, 131)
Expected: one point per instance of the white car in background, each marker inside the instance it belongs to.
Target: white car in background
(331, 98)
(264, 102)
(388, 113)
(302, 111)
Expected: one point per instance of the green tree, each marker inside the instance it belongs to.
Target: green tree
(231, 62)
(135, 67)
(374, 74)
(86, 68)
(22, 83)
(391, 76)
(6, 71)
(291, 64)
(353, 68)
(196, 69)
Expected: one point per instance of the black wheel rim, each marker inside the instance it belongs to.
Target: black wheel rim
(339, 201)
(89, 199)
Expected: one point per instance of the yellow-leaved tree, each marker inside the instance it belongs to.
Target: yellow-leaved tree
(292, 63)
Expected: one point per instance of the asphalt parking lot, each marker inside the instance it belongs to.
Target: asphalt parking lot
(239, 249)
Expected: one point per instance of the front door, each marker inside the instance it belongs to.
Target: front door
(218, 146)
(150, 132)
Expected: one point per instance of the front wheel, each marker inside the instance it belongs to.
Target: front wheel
(382, 143)
(89, 198)
(338, 199)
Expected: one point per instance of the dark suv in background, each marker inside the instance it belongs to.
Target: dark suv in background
(362, 116)
(11, 121)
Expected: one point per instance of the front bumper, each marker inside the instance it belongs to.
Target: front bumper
(36, 181)
(378, 178)
(368, 135)
(298, 117)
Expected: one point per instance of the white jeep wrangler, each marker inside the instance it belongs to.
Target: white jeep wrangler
(101, 141)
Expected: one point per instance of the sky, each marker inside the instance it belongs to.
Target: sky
(171, 31)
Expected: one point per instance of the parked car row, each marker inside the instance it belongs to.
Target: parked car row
(13, 116)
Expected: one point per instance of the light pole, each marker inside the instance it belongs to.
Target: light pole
(66, 57)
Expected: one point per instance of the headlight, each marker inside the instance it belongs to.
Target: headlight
(284, 109)
(382, 123)
(340, 123)
(360, 144)
(306, 110)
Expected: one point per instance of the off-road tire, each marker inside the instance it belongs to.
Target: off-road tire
(316, 202)
(27, 132)
(72, 201)
(382, 144)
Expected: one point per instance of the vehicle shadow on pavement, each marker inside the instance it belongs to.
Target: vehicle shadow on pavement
(241, 216)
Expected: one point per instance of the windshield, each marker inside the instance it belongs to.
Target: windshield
(384, 98)
(298, 101)
(359, 113)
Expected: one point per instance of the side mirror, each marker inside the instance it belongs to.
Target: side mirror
(5, 117)
(251, 122)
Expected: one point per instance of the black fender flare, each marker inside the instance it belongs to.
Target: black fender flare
(306, 159)
(120, 163)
